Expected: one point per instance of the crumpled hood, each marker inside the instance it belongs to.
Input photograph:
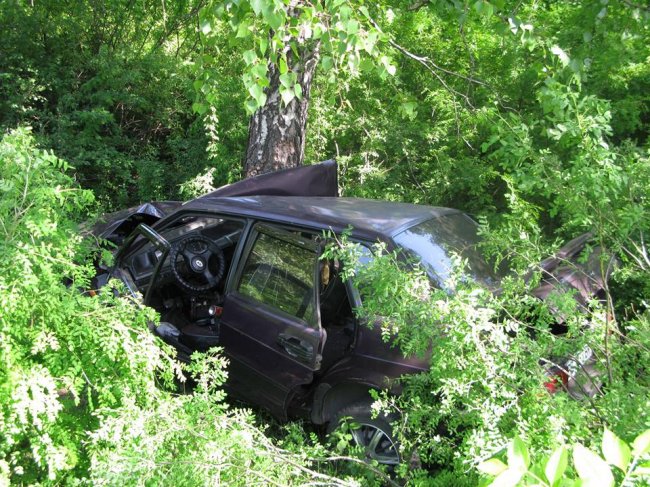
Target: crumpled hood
(115, 226)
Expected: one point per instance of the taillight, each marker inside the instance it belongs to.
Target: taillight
(558, 379)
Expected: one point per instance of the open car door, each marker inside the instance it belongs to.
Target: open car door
(270, 327)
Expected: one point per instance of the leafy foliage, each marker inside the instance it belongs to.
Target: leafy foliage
(196, 440)
(531, 116)
(590, 468)
(343, 33)
(487, 354)
(113, 97)
(64, 354)
(85, 387)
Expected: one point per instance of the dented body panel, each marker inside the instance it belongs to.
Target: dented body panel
(298, 349)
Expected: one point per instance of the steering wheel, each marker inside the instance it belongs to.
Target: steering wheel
(199, 254)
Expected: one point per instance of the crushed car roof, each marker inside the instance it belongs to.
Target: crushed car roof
(367, 217)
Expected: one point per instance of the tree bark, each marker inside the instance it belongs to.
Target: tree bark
(276, 133)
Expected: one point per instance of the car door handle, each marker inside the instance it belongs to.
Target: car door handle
(296, 347)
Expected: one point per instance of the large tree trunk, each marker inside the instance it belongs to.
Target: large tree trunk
(276, 133)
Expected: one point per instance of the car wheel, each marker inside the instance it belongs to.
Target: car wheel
(373, 434)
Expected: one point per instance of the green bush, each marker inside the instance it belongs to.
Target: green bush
(486, 382)
(589, 467)
(64, 354)
(85, 388)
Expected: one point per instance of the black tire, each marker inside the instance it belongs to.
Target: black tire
(373, 434)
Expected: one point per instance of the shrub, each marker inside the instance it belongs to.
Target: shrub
(485, 382)
(63, 354)
(82, 380)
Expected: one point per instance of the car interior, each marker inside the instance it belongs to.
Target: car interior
(190, 285)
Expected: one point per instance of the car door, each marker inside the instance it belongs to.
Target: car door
(270, 323)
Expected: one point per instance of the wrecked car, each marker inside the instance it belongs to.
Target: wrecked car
(239, 268)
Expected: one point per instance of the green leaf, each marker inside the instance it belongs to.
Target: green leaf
(352, 27)
(488, 9)
(484, 8)
(251, 106)
(294, 49)
(409, 109)
(264, 44)
(287, 80)
(390, 69)
(258, 6)
(327, 63)
(556, 465)
(564, 58)
(250, 57)
(366, 65)
(493, 466)
(518, 454)
(259, 70)
(641, 445)
(206, 28)
(257, 92)
(287, 95)
(370, 42)
(199, 108)
(297, 88)
(243, 30)
(283, 66)
(508, 478)
(592, 470)
(615, 450)
(274, 19)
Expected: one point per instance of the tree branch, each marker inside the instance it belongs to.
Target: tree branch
(434, 68)
(636, 5)
(417, 5)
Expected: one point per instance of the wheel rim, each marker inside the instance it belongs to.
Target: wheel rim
(377, 444)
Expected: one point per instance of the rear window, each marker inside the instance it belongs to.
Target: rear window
(434, 242)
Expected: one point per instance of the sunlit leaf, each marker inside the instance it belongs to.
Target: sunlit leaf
(592, 470)
(556, 465)
(564, 58)
(287, 95)
(615, 450)
(493, 466)
(206, 27)
(641, 444)
(508, 478)
(258, 6)
(518, 454)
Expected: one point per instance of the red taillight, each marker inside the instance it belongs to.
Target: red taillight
(559, 380)
(215, 310)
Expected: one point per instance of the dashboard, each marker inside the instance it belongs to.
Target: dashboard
(224, 233)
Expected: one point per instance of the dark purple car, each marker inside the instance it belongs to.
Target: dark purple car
(240, 269)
